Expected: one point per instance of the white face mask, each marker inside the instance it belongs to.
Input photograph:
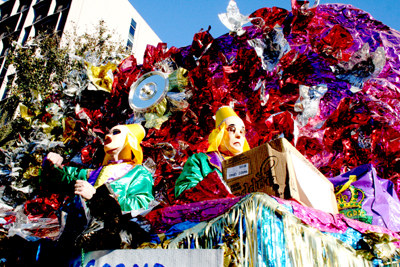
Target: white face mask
(115, 140)
(234, 136)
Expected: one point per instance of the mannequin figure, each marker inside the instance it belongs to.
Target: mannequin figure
(226, 140)
(122, 171)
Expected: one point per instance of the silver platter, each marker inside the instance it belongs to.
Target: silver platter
(148, 91)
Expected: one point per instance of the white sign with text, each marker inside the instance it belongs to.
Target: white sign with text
(152, 258)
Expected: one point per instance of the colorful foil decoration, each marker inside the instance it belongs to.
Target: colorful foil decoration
(356, 122)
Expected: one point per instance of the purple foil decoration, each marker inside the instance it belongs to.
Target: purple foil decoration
(162, 219)
(333, 223)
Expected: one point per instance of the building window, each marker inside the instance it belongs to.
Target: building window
(26, 34)
(6, 9)
(131, 35)
(63, 19)
(24, 5)
(61, 5)
(41, 10)
(10, 80)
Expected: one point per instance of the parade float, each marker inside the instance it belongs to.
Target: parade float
(324, 77)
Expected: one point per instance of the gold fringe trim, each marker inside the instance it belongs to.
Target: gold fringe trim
(306, 246)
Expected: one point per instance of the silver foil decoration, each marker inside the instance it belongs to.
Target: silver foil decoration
(150, 165)
(232, 19)
(308, 102)
(76, 82)
(271, 48)
(177, 100)
(264, 96)
(361, 67)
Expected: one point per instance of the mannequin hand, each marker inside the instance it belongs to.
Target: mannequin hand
(56, 159)
(84, 189)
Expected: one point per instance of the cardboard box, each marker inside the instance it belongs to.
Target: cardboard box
(278, 169)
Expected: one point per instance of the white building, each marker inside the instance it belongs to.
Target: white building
(25, 18)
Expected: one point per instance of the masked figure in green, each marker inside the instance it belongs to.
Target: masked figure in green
(226, 140)
(121, 171)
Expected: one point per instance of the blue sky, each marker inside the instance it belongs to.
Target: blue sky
(176, 21)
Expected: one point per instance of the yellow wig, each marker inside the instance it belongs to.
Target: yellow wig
(215, 138)
(134, 136)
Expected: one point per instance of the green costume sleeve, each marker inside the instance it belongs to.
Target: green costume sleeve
(70, 174)
(196, 168)
(134, 190)
(66, 174)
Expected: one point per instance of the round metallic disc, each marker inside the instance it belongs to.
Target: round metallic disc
(148, 91)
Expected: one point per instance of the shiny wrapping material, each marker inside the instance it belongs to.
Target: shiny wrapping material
(347, 229)
(153, 120)
(309, 247)
(334, 46)
(351, 237)
(353, 126)
(361, 66)
(163, 219)
(268, 235)
(271, 240)
(308, 102)
(160, 108)
(267, 18)
(270, 49)
(102, 76)
(159, 58)
(380, 245)
(69, 133)
(369, 197)
(178, 80)
(76, 82)
(232, 19)
(242, 219)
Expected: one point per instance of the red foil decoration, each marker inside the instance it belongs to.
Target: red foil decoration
(153, 56)
(43, 205)
(270, 17)
(335, 42)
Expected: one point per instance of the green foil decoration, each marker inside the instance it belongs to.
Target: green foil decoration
(178, 80)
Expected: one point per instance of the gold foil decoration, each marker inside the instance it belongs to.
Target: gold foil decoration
(381, 246)
(32, 171)
(102, 77)
(244, 251)
(160, 108)
(155, 121)
(26, 114)
(69, 133)
(308, 246)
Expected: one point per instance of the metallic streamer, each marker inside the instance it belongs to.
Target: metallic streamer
(268, 235)
(310, 247)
